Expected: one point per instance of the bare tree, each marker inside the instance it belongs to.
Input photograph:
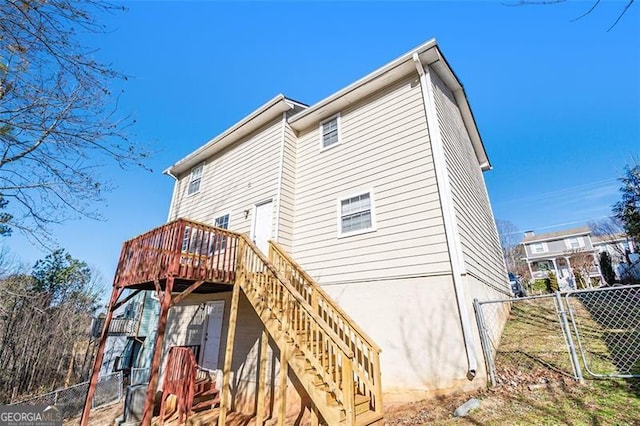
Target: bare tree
(58, 121)
(624, 9)
(582, 263)
(610, 231)
(44, 323)
(510, 237)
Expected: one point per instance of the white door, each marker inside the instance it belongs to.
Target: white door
(212, 334)
(262, 224)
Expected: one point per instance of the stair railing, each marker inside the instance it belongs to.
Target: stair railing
(330, 356)
(367, 353)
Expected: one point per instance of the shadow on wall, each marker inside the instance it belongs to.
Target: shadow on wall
(441, 353)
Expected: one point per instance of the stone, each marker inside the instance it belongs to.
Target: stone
(465, 408)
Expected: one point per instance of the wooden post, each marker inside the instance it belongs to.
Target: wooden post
(315, 421)
(97, 363)
(225, 396)
(157, 353)
(282, 385)
(262, 378)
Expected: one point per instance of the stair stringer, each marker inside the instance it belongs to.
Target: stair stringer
(332, 413)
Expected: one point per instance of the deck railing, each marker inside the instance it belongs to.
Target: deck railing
(181, 249)
(118, 326)
(327, 353)
(366, 352)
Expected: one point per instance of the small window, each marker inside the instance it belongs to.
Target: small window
(356, 214)
(538, 248)
(194, 179)
(220, 243)
(574, 243)
(330, 130)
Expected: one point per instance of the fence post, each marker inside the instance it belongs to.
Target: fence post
(484, 340)
(120, 384)
(562, 314)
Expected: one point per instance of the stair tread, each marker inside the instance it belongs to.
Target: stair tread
(367, 418)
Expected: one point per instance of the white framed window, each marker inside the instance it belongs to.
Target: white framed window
(195, 177)
(330, 132)
(356, 214)
(538, 247)
(220, 242)
(574, 243)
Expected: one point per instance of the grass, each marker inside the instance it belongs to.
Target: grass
(535, 384)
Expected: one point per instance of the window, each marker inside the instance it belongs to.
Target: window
(330, 130)
(356, 214)
(574, 243)
(538, 248)
(220, 243)
(194, 179)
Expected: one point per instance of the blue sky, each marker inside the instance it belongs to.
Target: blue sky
(557, 102)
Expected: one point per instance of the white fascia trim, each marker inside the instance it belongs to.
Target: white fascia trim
(258, 118)
(173, 196)
(448, 212)
(276, 236)
(556, 238)
(395, 70)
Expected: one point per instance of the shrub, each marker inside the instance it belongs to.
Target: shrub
(553, 283)
(607, 268)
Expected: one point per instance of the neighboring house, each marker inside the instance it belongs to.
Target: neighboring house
(131, 336)
(564, 253)
(377, 192)
(573, 250)
(622, 251)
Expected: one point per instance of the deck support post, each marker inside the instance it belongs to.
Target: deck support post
(97, 363)
(262, 378)
(282, 385)
(225, 396)
(157, 353)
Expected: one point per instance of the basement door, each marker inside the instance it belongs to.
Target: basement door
(262, 224)
(213, 332)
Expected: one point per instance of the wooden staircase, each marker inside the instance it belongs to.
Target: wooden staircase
(336, 362)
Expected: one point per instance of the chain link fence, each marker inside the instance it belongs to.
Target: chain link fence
(71, 400)
(606, 324)
(139, 376)
(550, 337)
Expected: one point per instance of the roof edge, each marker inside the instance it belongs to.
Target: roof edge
(259, 117)
(402, 66)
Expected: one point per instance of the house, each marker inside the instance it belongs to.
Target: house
(323, 256)
(563, 252)
(623, 254)
(130, 338)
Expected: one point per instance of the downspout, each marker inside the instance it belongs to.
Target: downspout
(173, 196)
(448, 212)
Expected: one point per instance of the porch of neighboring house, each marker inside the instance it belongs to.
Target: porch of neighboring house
(326, 365)
(562, 267)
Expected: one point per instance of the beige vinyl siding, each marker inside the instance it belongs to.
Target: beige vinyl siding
(287, 189)
(234, 180)
(476, 226)
(384, 148)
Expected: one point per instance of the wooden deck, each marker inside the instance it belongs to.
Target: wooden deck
(185, 250)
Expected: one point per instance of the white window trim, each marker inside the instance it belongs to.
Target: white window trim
(217, 216)
(579, 240)
(191, 180)
(338, 119)
(345, 196)
(544, 248)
